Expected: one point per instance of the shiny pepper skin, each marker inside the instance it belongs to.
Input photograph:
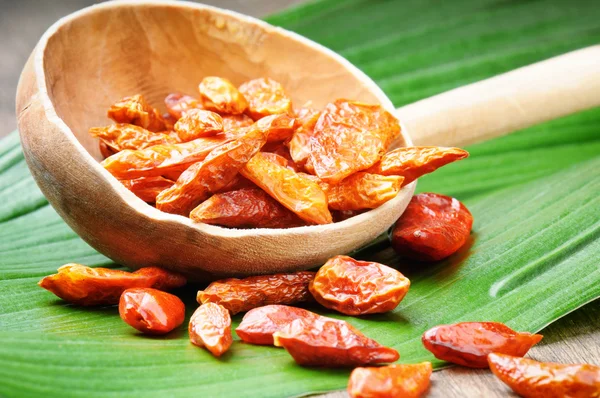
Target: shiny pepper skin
(413, 162)
(265, 97)
(212, 174)
(85, 286)
(219, 95)
(233, 133)
(276, 127)
(281, 150)
(358, 287)
(151, 311)
(259, 324)
(280, 127)
(331, 343)
(245, 208)
(309, 168)
(231, 122)
(210, 327)
(147, 188)
(299, 194)
(299, 144)
(431, 228)
(240, 295)
(135, 110)
(469, 343)
(178, 104)
(350, 136)
(278, 159)
(305, 113)
(406, 381)
(198, 123)
(533, 379)
(362, 191)
(127, 136)
(160, 159)
(237, 183)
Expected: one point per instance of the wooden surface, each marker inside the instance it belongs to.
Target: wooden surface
(575, 338)
(545, 90)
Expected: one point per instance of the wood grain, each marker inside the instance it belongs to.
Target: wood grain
(574, 338)
(512, 101)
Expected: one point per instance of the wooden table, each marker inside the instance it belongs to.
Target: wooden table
(575, 338)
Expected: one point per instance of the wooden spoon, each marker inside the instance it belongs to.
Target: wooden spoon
(93, 57)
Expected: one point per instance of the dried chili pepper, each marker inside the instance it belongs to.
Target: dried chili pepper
(413, 162)
(160, 159)
(240, 295)
(305, 113)
(82, 285)
(163, 279)
(348, 137)
(178, 104)
(330, 342)
(342, 145)
(299, 144)
(265, 97)
(234, 133)
(169, 123)
(533, 379)
(362, 191)
(259, 324)
(276, 127)
(151, 311)
(231, 122)
(236, 184)
(299, 194)
(216, 171)
(279, 149)
(105, 150)
(198, 123)
(219, 95)
(313, 178)
(358, 287)
(432, 227)
(277, 159)
(342, 215)
(279, 127)
(127, 136)
(135, 110)
(147, 188)
(308, 167)
(172, 175)
(406, 381)
(469, 343)
(210, 327)
(245, 208)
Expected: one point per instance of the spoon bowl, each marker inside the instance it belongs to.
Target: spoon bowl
(88, 60)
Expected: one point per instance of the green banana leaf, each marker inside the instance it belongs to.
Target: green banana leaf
(534, 196)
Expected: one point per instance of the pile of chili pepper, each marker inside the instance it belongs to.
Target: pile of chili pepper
(224, 162)
(433, 227)
(246, 158)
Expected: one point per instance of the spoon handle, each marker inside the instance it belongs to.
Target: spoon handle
(508, 102)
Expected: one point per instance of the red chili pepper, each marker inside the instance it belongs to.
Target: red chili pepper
(469, 343)
(533, 379)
